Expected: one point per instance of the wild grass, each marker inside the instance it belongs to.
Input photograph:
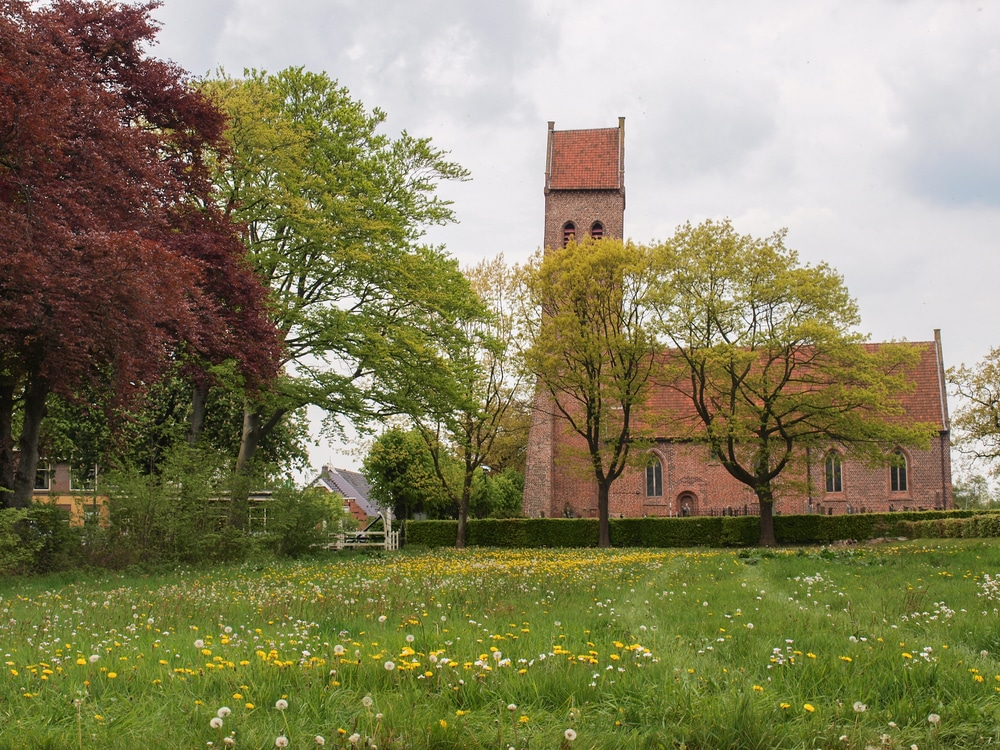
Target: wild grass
(886, 646)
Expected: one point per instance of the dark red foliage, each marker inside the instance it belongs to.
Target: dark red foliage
(110, 252)
(112, 257)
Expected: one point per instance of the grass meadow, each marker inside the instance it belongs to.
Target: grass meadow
(888, 646)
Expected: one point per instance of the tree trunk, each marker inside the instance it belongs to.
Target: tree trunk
(197, 423)
(6, 441)
(27, 462)
(463, 510)
(604, 524)
(766, 501)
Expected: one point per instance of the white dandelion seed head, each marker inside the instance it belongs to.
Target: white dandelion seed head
(409, 638)
(354, 739)
(94, 658)
(382, 618)
(933, 718)
(281, 741)
(367, 701)
(281, 704)
(215, 723)
(511, 707)
(389, 666)
(320, 740)
(338, 650)
(199, 643)
(860, 707)
(223, 712)
(570, 735)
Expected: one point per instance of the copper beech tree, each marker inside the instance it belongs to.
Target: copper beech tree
(113, 259)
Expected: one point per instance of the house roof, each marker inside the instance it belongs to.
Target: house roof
(669, 410)
(350, 484)
(585, 159)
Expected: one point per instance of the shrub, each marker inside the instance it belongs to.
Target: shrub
(299, 520)
(699, 531)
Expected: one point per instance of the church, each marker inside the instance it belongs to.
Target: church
(585, 196)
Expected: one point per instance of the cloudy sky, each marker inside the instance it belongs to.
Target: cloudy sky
(871, 130)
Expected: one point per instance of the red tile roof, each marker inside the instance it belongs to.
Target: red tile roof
(669, 409)
(585, 159)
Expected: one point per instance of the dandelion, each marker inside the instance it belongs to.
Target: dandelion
(758, 689)
(215, 723)
(511, 707)
(389, 666)
(281, 704)
(320, 740)
(443, 724)
(570, 735)
(338, 650)
(784, 705)
(382, 618)
(367, 701)
(409, 638)
(281, 741)
(934, 719)
(809, 707)
(223, 712)
(94, 658)
(859, 707)
(199, 644)
(354, 739)
(112, 675)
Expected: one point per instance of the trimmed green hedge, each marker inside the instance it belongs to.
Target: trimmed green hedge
(698, 531)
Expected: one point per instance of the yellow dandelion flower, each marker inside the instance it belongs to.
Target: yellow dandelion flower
(809, 707)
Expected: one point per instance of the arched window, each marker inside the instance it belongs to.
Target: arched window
(654, 478)
(569, 233)
(834, 472)
(897, 472)
(597, 230)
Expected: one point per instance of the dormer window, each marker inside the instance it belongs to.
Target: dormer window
(569, 233)
(597, 230)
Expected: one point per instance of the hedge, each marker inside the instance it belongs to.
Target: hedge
(699, 531)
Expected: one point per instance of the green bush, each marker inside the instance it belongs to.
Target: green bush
(299, 520)
(700, 531)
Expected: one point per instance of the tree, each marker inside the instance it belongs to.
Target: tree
(977, 419)
(113, 259)
(333, 212)
(402, 475)
(591, 347)
(765, 352)
(465, 419)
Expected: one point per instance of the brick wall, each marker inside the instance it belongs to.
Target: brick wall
(690, 478)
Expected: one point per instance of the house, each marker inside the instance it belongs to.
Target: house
(71, 490)
(352, 486)
(585, 195)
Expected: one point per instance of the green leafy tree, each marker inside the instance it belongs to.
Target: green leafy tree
(766, 353)
(977, 419)
(591, 346)
(333, 212)
(402, 476)
(461, 423)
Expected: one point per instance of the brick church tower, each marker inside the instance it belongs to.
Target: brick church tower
(584, 196)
